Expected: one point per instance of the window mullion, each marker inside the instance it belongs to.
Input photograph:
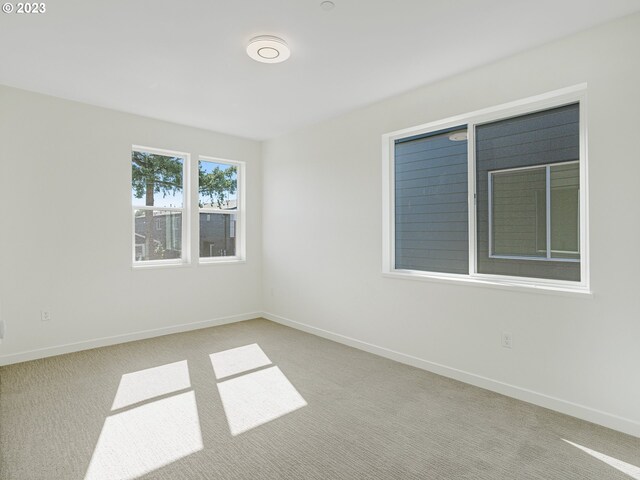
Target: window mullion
(472, 202)
(548, 193)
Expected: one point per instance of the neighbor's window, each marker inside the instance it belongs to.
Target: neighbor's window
(535, 213)
(498, 197)
(159, 211)
(220, 201)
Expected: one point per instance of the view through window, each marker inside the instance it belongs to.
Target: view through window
(218, 203)
(157, 197)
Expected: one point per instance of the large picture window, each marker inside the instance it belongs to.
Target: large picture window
(158, 198)
(497, 196)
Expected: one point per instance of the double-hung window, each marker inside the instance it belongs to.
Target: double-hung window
(497, 196)
(159, 203)
(220, 202)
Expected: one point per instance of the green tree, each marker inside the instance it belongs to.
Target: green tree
(153, 174)
(218, 184)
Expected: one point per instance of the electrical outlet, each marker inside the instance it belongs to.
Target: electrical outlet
(2, 330)
(507, 340)
(45, 315)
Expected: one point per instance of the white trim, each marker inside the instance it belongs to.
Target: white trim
(221, 261)
(567, 407)
(212, 211)
(388, 205)
(124, 338)
(517, 107)
(158, 209)
(472, 201)
(493, 281)
(566, 96)
(547, 189)
(585, 273)
(172, 262)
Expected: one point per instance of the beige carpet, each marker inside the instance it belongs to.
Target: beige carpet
(287, 405)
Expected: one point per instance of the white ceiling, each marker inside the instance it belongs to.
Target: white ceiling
(185, 61)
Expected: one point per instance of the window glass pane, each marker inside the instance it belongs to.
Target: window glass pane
(217, 234)
(218, 185)
(431, 203)
(535, 140)
(156, 180)
(158, 235)
(565, 211)
(519, 218)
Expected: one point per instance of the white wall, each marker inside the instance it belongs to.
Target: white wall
(65, 242)
(322, 240)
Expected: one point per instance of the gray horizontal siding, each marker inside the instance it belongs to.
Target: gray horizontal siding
(431, 210)
(432, 265)
(539, 138)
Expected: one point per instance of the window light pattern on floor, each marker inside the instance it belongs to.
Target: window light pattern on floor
(624, 467)
(255, 398)
(140, 439)
(146, 384)
(155, 422)
(238, 360)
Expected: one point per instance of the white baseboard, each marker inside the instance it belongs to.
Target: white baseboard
(116, 339)
(583, 412)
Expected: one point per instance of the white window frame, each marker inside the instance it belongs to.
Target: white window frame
(185, 258)
(558, 98)
(240, 213)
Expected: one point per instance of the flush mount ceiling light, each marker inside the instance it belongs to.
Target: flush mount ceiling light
(268, 49)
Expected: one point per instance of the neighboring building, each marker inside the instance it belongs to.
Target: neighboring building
(166, 236)
(217, 233)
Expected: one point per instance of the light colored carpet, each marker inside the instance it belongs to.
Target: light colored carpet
(287, 405)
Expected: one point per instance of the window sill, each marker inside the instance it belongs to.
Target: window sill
(152, 265)
(525, 285)
(221, 261)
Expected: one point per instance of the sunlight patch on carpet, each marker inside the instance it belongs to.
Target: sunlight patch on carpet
(238, 360)
(257, 398)
(143, 385)
(624, 467)
(142, 439)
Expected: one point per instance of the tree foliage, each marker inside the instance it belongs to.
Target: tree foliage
(153, 174)
(218, 184)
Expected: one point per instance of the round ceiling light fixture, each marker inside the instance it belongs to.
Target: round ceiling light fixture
(327, 5)
(268, 49)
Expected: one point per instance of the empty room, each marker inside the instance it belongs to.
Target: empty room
(312, 239)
